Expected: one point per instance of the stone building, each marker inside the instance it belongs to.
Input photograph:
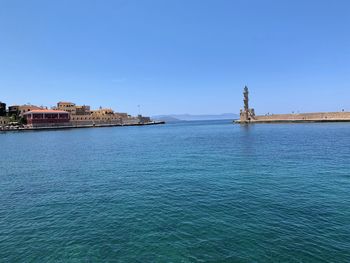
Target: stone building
(83, 115)
(19, 110)
(4, 121)
(82, 110)
(14, 110)
(102, 116)
(25, 108)
(73, 109)
(67, 106)
(143, 120)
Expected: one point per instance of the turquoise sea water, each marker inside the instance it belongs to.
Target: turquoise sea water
(186, 192)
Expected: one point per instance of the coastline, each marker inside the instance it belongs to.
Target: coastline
(79, 127)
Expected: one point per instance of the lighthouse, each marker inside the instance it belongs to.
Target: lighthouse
(247, 114)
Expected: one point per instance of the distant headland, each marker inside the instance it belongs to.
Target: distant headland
(247, 115)
(196, 117)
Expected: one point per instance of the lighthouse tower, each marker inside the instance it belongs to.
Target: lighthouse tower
(247, 114)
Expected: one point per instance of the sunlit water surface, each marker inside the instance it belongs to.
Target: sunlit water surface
(185, 192)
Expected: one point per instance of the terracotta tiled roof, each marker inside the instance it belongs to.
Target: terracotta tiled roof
(45, 111)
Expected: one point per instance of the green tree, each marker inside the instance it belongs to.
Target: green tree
(13, 118)
(23, 120)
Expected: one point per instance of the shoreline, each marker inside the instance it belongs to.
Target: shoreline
(79, 127)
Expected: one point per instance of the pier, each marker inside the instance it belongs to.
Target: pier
(248, 116)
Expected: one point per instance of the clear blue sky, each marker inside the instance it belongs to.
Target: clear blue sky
(177, 56)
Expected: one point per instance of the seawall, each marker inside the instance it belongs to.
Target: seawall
(300, 118)
(80, 126)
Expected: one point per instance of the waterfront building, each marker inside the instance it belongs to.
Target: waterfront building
(67, 106)
(102, 117)
(14, 110)
(143, 120)
(82, 110)
(4, 121)
(2, 109)
(19, 110)
(47, 118)
(109, 115)
(69, 114)
(27, 107)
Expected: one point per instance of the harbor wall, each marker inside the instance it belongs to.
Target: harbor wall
(70, 126)
(301, 117)
(247, 115)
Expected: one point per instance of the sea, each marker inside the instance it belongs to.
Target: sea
(199, 191)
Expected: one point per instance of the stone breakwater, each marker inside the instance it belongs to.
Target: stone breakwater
(247, 115)
(299, 118)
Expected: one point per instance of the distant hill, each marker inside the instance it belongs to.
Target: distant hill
(190, 117)
(166, 118)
